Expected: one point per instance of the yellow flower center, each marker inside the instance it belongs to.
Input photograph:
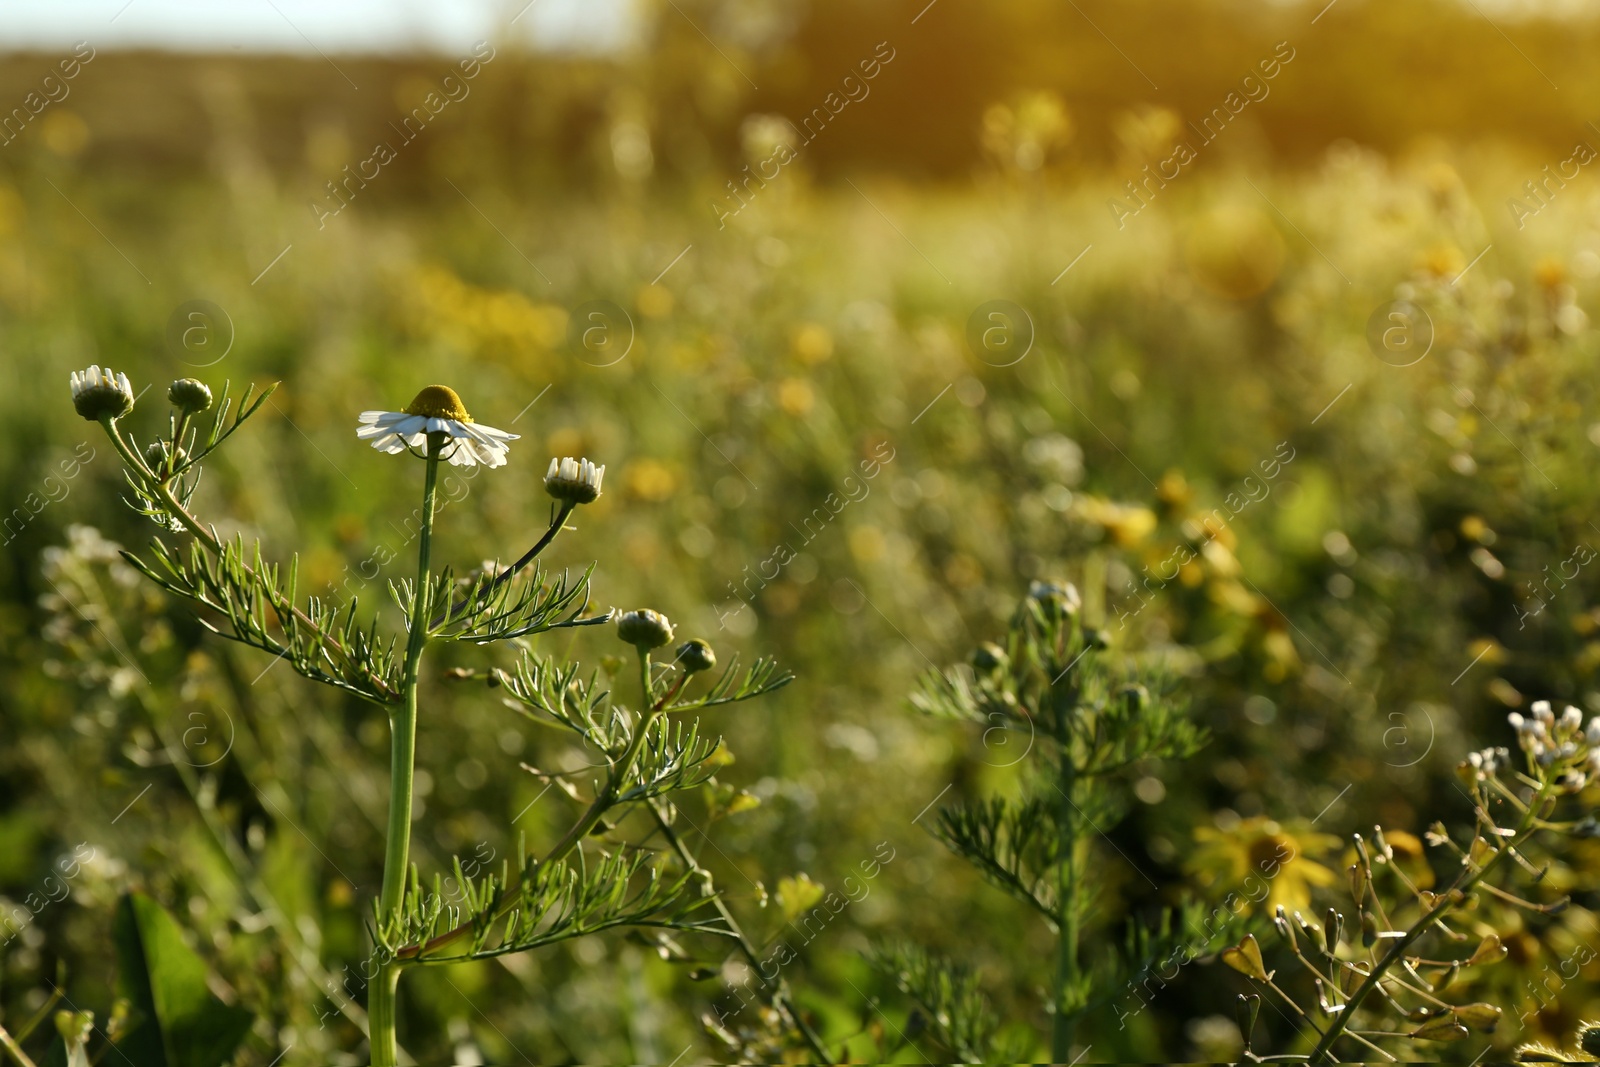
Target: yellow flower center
(439, 402)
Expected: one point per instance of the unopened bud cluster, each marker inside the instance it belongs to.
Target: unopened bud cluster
(1560, 743)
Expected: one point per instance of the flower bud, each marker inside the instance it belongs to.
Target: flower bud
(155, 456)
(1136, 697)
(99, 394)
(189, 396)
(1057, 599)
(696, 655)
(644, 629)
(574, 481)
(988, 657)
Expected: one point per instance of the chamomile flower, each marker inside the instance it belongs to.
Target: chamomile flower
(98, 394)
(574, 480)
(437, 409)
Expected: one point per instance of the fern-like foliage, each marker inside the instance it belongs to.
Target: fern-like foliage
(541, 904)
(496, 610)
(257, 607)
(950, 1005)
(1016, 845)
(1071, 717)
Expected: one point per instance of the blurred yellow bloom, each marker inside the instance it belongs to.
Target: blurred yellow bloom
(649, 479)
(1549, 273)
(654, 301)
(503, 322)
(795, 396)
(866, 544)
(1174, 489)
(1259, 850)
(1279, 648)
(1234, 597)
(1488, 650)
(1473, 528)
(812, 343)
(1442, 261)
(1235, 253)
(1125, 524)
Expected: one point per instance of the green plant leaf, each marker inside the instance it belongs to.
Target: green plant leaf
(178, 1021)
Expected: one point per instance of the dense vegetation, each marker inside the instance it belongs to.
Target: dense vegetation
(1339, 546)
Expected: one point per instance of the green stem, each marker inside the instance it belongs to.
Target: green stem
(511, 572)
(381, 1015)
(15, 1049)
(402, 774)
(782, 998)
(1321, 1053)
(1067, 975)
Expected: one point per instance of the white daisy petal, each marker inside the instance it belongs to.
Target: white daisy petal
(468, 444)
(411, 426)
(494, 434)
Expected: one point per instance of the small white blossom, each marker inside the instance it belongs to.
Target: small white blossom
(436, 410)
(1541, 711)
(1518, 723)
(1571, 719)
(1591, 732)
(575, 480)
(97, 393)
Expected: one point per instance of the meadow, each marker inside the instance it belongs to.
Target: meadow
(1311, 430)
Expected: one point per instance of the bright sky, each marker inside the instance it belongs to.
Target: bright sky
(314, 25)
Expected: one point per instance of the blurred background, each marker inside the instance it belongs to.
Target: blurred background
(1307, 283)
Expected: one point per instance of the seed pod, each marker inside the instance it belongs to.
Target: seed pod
(1249, 1008)
(1480, 1017)
(1285, 930)
(1448, 978)
(1332, 931)
(1361, 850)
(1246, 959)
(1359, 880)
(1489, 950)
(1369, 929)
(1443, 1028)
